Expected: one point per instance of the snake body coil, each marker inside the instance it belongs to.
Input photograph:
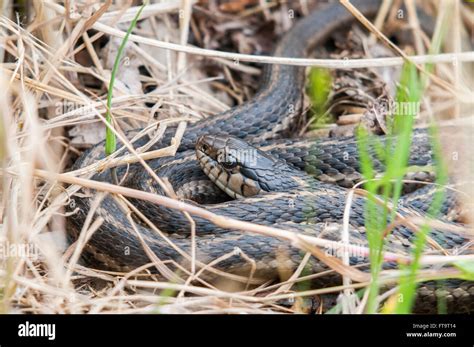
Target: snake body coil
(286, 196)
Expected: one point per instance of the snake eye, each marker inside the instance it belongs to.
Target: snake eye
(229, 165)
(204, 147)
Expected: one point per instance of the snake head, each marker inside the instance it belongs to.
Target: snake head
(240, 169)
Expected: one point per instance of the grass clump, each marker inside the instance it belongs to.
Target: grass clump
(319, 87)
(395, 154)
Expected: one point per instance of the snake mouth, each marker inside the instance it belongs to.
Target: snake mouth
(216, 174)
(206, 154)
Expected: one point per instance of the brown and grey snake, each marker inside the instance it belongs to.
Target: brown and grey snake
(292, 184)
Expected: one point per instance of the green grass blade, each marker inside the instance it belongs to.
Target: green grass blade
(110, 139)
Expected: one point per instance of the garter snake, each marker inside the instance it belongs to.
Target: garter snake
(285, 195)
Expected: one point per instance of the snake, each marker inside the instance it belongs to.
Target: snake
(289, 183)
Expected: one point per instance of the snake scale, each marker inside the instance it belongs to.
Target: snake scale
(288, 183)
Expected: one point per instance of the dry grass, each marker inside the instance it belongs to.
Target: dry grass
(44, 94)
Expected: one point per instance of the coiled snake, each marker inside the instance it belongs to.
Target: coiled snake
(274, 178)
